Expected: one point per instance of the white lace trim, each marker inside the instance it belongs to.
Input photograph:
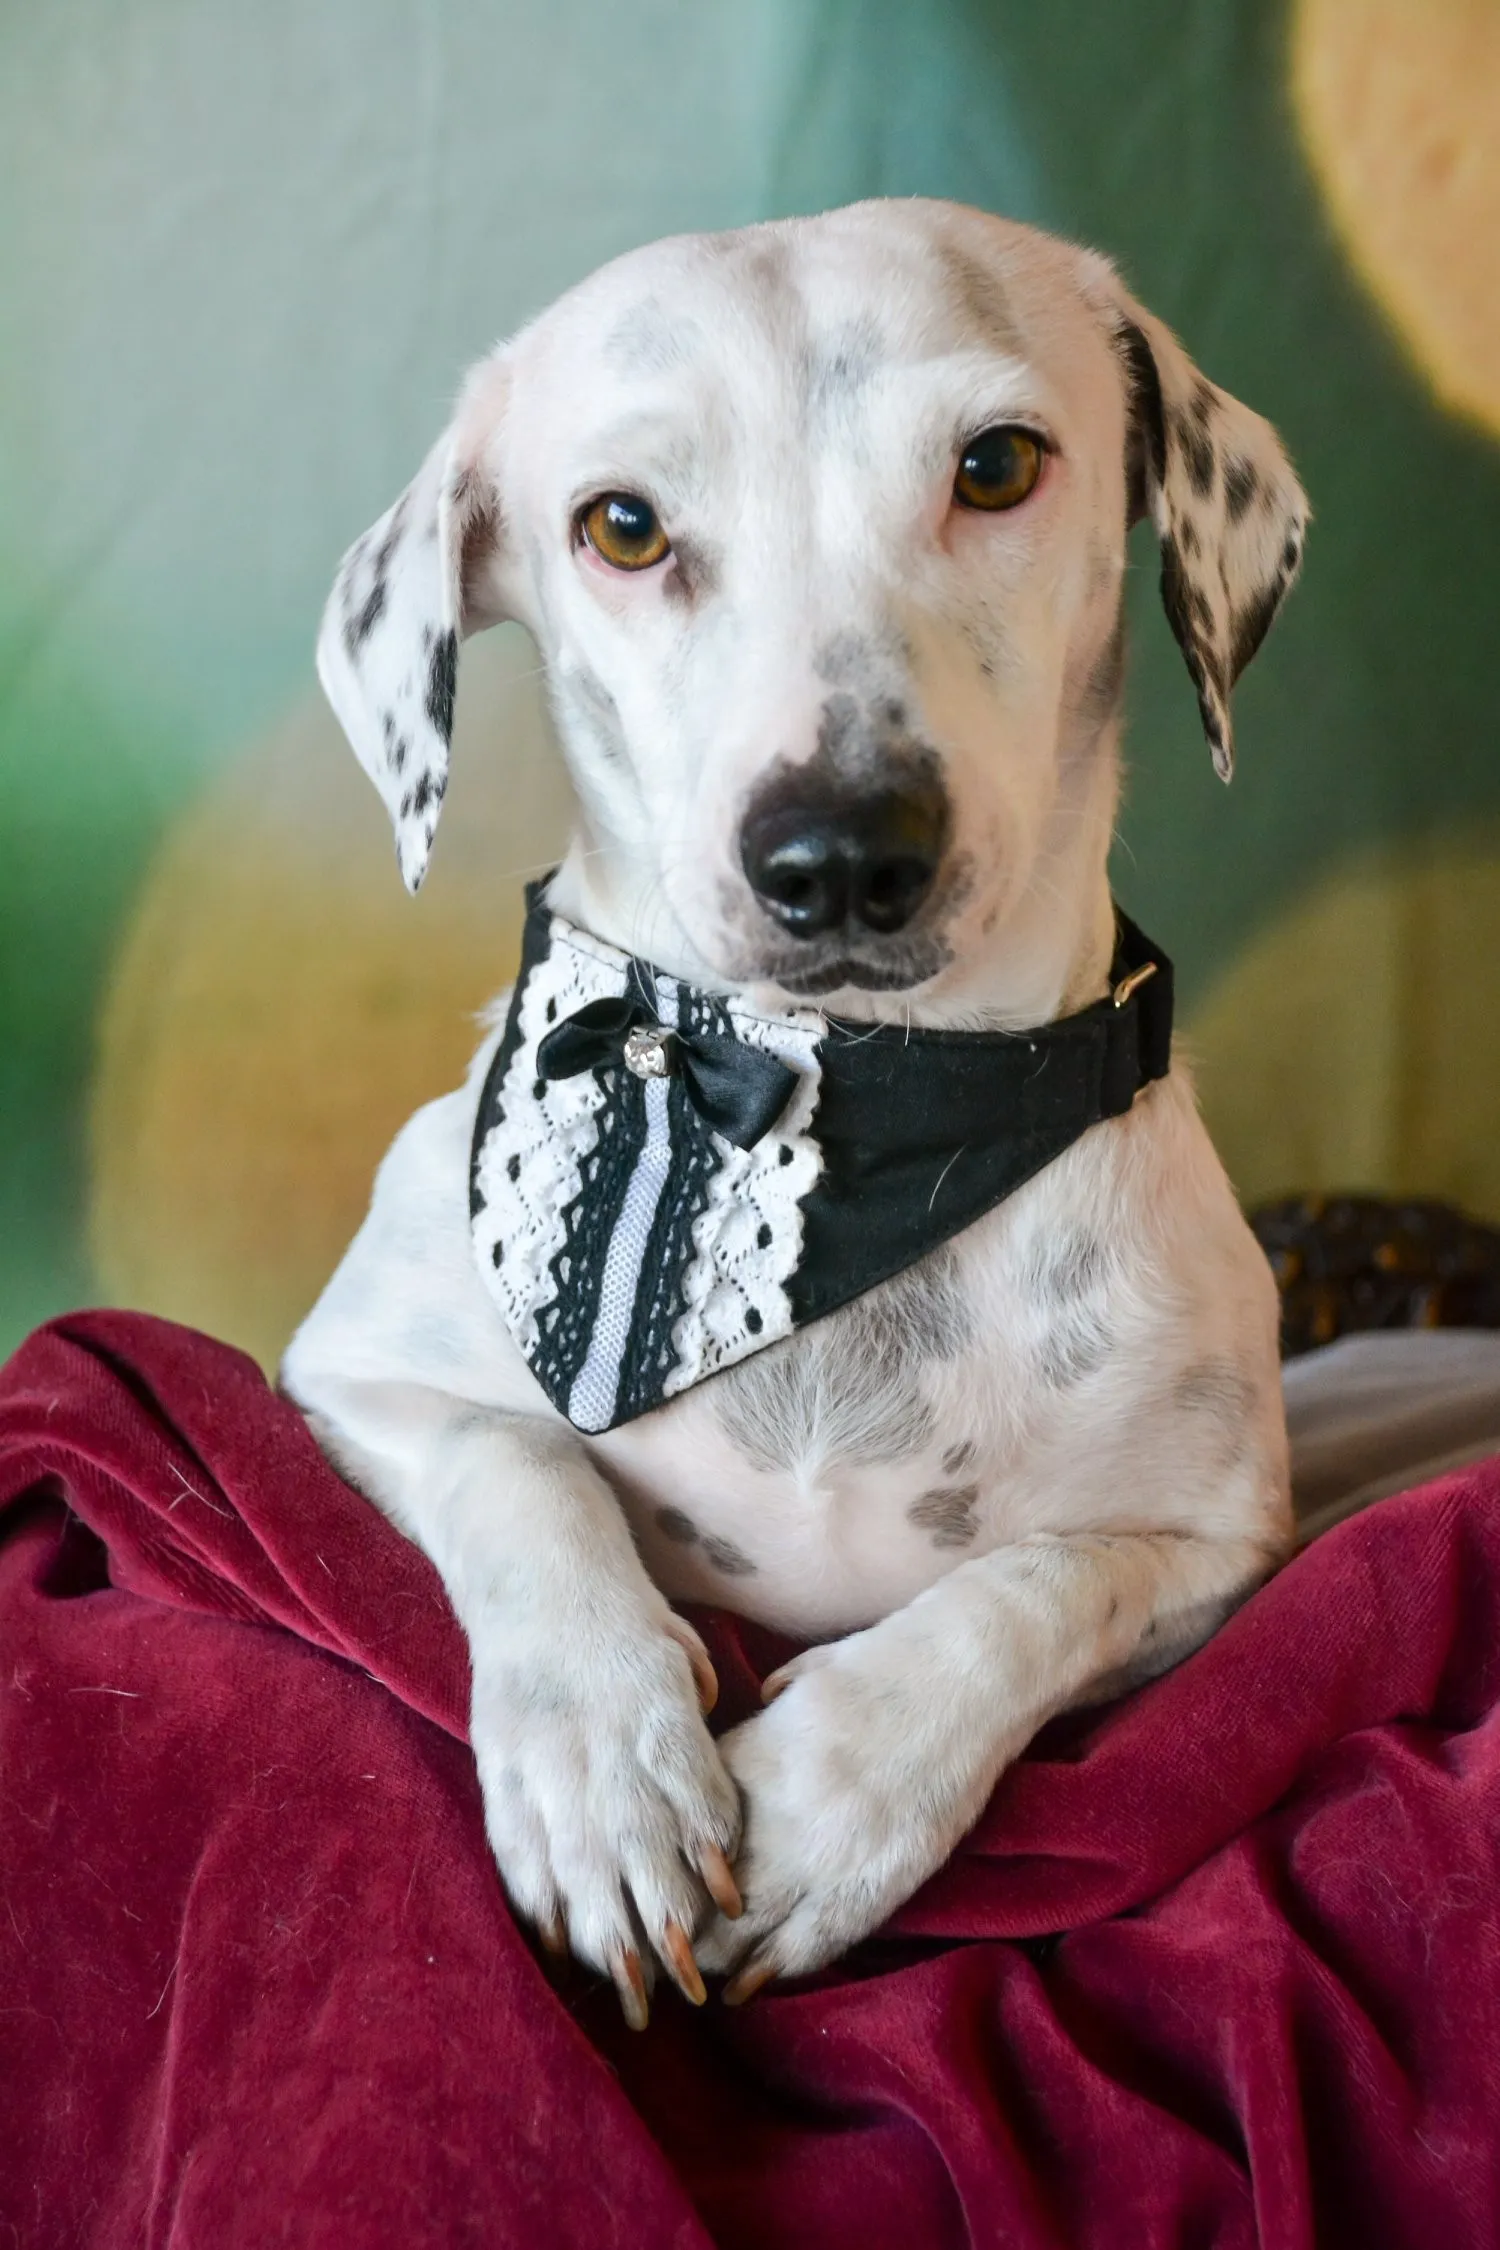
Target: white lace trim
(749, 1240)
(528, 1170)
(747, 1243)
(591, 1402)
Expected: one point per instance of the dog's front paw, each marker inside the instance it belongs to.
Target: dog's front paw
(857, 1786)
(606, 1802)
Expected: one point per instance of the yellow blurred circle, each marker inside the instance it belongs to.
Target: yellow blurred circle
(280, 1006)
(1356, 1043)
(1399, 107)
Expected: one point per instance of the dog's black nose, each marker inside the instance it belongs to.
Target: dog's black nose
(817, 862)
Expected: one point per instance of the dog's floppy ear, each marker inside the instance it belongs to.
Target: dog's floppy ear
(1228, 510)
(405, 594)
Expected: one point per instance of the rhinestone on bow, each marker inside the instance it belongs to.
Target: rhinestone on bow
(648, 1051)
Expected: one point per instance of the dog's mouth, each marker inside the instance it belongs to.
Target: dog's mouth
(845, 961)
(889, 970)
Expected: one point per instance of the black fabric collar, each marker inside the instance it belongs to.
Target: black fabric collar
(924, 1131)
(916, 1135)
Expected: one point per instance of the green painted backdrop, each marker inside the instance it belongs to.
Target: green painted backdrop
(245, 255)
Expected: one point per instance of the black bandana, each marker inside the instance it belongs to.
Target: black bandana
(663, 1182)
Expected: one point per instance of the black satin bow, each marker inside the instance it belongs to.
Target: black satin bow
(740, 1091)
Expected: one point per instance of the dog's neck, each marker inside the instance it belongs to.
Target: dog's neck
(1047, 956)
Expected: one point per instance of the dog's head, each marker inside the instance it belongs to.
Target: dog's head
(820, 529)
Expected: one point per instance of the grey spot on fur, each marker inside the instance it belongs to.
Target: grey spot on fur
(851, 742)
(1076, 1266)
(649, 340)
(696, 574)
(926, 1306)
(980, 295)
(359, 627)
(429, 790)
(1216, 1387)
(764, 258)
(673, 1524)
(948, 1512)
(1070, 1285)
(1241, 484)
(833, 373)
(442, 683)
(393, 531)
(958, 1457)
(861, 745)
(1252, 623)
(361, 620)
(1076, 1346)
(1221, 1399)
(731, 1561)
(848, 1389)
(1145, 443)
(1191, 619)
(863, 662)
(1191, 433)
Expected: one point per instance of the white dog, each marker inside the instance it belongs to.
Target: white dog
(820, 529)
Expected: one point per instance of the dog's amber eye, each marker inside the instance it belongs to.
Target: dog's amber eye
(623, 530)
(998, 468)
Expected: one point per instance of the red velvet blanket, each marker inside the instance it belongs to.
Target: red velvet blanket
(1218, 1967)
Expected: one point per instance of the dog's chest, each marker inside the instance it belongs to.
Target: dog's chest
(828, 1479)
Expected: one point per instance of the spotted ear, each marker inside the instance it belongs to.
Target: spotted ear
(1229, 513)
(419, 580)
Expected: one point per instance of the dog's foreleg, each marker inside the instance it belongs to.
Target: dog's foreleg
(604, 1797)
(878, 1752)
(607, 1806)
